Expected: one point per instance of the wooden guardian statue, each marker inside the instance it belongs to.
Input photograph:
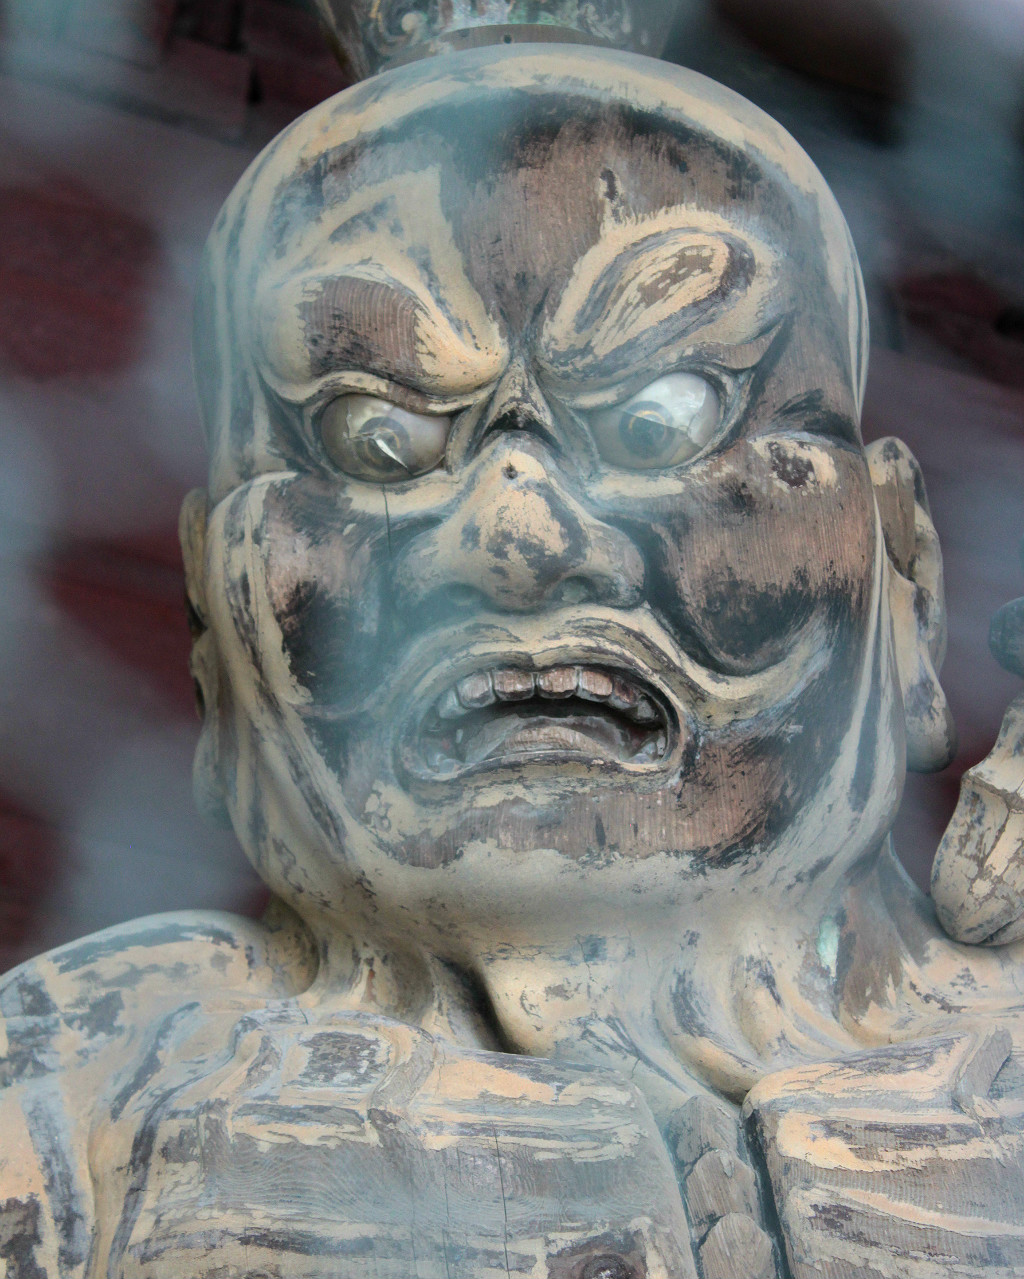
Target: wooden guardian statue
(561, 652)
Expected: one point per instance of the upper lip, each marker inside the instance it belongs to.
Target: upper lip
(437, 659)
(631, 643)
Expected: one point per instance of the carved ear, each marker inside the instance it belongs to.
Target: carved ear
(916, 602)
(207, 775)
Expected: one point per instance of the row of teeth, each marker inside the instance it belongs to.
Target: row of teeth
(512, 685)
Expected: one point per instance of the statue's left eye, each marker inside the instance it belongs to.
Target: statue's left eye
(661, 426)
(376, 440)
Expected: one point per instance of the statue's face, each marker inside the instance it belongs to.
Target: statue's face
(543, 553)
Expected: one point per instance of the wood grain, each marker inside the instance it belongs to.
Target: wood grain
(570, 767)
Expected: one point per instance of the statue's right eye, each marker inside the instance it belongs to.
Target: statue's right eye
(372, 439)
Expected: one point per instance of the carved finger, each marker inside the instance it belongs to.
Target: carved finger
(719, 1185)
(721, 1193)
(737, 1248)
(700, 1126)
(978, 874)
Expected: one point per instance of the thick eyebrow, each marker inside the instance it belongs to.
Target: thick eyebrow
(635, 295)
(368, 286)
(370, 323)
(363, 324)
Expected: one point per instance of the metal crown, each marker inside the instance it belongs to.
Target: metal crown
(373, 35)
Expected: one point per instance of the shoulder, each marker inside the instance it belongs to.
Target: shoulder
(73, 1021)
(65, 1008)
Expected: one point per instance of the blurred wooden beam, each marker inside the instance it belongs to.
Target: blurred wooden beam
(855, 43)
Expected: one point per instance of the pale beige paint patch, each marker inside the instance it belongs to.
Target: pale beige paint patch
(458, 345)
(656, 279)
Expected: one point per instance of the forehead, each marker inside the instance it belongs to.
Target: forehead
(524, 156)
(514, 188)
(463, 229)
(567, 161)
(478, 101)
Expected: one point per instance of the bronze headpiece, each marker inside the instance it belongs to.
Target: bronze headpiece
(374, 35)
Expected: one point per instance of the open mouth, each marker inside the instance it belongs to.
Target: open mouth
(511, 715)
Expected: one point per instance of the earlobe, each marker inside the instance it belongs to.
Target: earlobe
(916, 602)
(207, 772)
(192, 536)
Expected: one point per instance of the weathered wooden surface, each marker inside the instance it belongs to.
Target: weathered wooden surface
(902, 1161)
(252, 1126)
(978, 875)
(560, 651)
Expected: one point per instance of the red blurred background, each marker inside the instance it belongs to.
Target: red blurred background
(124, 124)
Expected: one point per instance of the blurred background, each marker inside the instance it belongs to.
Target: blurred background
(123, 126)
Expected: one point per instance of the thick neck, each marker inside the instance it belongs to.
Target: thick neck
(708, 996)
(725, 995)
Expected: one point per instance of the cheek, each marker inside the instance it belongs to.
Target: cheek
(304, 586)
(776, 535)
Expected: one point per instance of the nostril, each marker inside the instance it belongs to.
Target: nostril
(510, 470)
(573, 590)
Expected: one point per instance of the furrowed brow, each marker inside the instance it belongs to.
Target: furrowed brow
(364, 320)
(633, 295)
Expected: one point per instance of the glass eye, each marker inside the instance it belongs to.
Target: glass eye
(662, 425)
(373, 439)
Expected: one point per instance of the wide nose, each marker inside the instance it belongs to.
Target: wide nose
(518, 538)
